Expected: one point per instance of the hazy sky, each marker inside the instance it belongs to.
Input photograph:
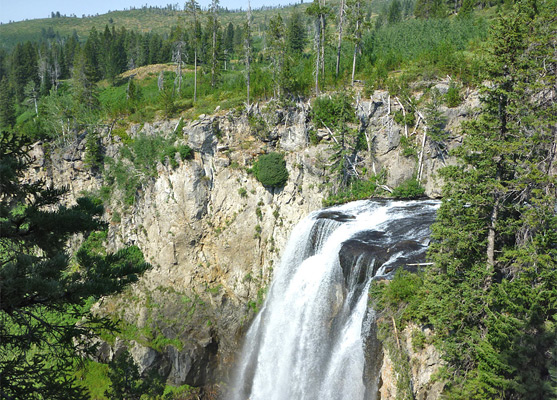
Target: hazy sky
(13, 10)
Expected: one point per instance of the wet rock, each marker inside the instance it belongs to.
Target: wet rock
(335, 215)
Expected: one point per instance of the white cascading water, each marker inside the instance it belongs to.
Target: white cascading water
(311, 338)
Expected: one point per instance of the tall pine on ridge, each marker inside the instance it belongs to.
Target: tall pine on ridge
(491, 295)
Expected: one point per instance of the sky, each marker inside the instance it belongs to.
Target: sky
(11, 10)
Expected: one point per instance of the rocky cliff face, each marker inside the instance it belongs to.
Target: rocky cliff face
(213, 233)
(422, 361)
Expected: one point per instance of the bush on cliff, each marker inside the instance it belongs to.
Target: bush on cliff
(270, 170)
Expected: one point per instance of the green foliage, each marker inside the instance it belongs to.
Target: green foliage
(184, 392)
(356, 190)
(430, 9)
(126, 382)
(436, 124)
(453, 98)
(408, 119)
(93, 377)
(7, 109)
(399, 296)
(93, 151)
(418, 340)
(169, 153)
(270, 170)
(333, 111)
(409, 189)
(436, 45)
(490, 296)
(139, 161)
(337, 114)
(408, 148)
(167, 102)
(398, 302)
(43, 297)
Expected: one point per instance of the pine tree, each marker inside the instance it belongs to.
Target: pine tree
(341, 18)
(229, 40)
(214, 28)
(276, 40)
(296, 34)
(248, 53)
(356, 25)
(192, 9)
(319, 11)
(395, 12)
(7, 109)
(491, 294)
(427, 9)
(44, 293)
(127, 383)
(336, 113)
(23, 68)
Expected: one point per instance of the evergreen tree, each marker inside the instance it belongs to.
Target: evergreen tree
(356, 22)
(248, 53)
(7, 109)
(46, 325)
(89, 58)
(83, 80)
(336, 113)
(427, 9)
(491, 294)
(319, 11)
(229, 39)
(214, 28)
(23, 68)
(3, 57)
(395, 12)
(126, 383)
(276, 39)
(296, 34)
(115, 55)
(340, 25)
(192, 9)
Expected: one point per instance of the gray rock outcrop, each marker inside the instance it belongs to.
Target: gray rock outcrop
(214, 234)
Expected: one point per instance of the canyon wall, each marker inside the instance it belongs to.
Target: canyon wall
(213, 233)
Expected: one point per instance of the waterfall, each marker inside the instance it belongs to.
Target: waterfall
(313, 338)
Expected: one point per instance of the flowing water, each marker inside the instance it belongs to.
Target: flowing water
(314, 336)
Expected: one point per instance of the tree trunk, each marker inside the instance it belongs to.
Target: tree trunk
(317, 57)
(214, 55)
(248, 54)
(340, 22)
(491, 235)
(322, 37)
(195, 75)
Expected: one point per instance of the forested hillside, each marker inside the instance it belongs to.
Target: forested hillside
(489, 291)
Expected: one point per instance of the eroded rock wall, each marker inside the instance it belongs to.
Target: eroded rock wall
(213, 233)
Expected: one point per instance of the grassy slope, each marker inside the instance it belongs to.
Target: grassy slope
(144, 20)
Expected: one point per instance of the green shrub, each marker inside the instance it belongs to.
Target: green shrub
(401, 296)
(93, 151)
(169, 152)
(333, 111)
(408, 150)
(270, 170)
(358, 190)
(409, 189)
(401, 119)
(453, 97)
(186, 152)
(418, 340)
